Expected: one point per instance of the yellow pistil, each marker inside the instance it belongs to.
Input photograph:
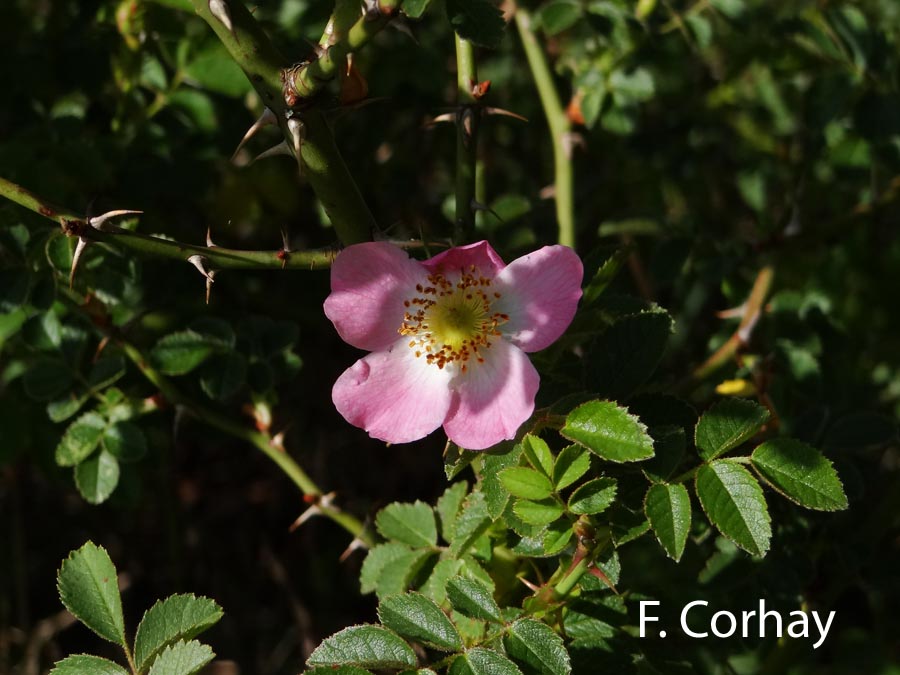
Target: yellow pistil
(451, 323)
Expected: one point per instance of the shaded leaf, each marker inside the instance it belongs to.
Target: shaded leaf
(411, 524)
(125, 441)
(479, 21)
(97, 477)
(80, 439)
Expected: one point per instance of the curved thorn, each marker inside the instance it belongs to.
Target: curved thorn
(76, 258)
(201, 262)
(219, 9)
(478, 206)
(266, 119)
(280, 149)
(97, 223)
(506, 113)
(209, 241)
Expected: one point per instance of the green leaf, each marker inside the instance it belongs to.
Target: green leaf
(417, 618)
(801, 473)
(215, 70)
(343, 670)
(125, 441)
(537, 647)
(179, 353)
(182, 658)
(80, 439)
(538, 453)
(107, 371)
(668, 508)
(726, 425)
(604, 275)
(97, 477)
(556, 537)
(223, 375)
(411, 524)
(526, 483)
(608, 431)
(389, 568)
(478, 21)
(735, 504)
(365, 646)
(628, 352)
(480, 661)
(473, 599)
(46, 379)
(448, 507)
(538, 513)
(473, 521)
(573, 462)
(414, 9)
(84, 664)
(495, 495)
(669, 443)
(62, 409)
(593, 497)
(88, 588)
(178, 617)
(435, 587)
(558, 15)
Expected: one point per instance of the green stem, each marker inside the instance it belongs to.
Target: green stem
(217, 257)
(568, 582)
(467, 120)
(32, 202)
(753, 309)
(309, 80)
(258, 439)
(329, 176)
(560, 128)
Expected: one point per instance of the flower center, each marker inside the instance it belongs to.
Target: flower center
(451, 323)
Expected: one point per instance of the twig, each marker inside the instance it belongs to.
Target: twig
(752, 310)
(467, 119)
(306, 81)
(323, 165)
(560, 128)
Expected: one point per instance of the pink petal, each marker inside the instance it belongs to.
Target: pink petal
(479, 254)
(540, 293)
(492, 399)
(369, 283)
(393, 395)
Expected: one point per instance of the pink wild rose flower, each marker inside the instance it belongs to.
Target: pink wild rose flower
(448, 337)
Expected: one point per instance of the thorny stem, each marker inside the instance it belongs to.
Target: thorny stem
(466, 140)
(258, 439)
(560, 128)
(323, 165)
(753, 309)
(219, 258)
(310, 79)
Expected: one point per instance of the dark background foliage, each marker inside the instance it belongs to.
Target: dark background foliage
(717, 137)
